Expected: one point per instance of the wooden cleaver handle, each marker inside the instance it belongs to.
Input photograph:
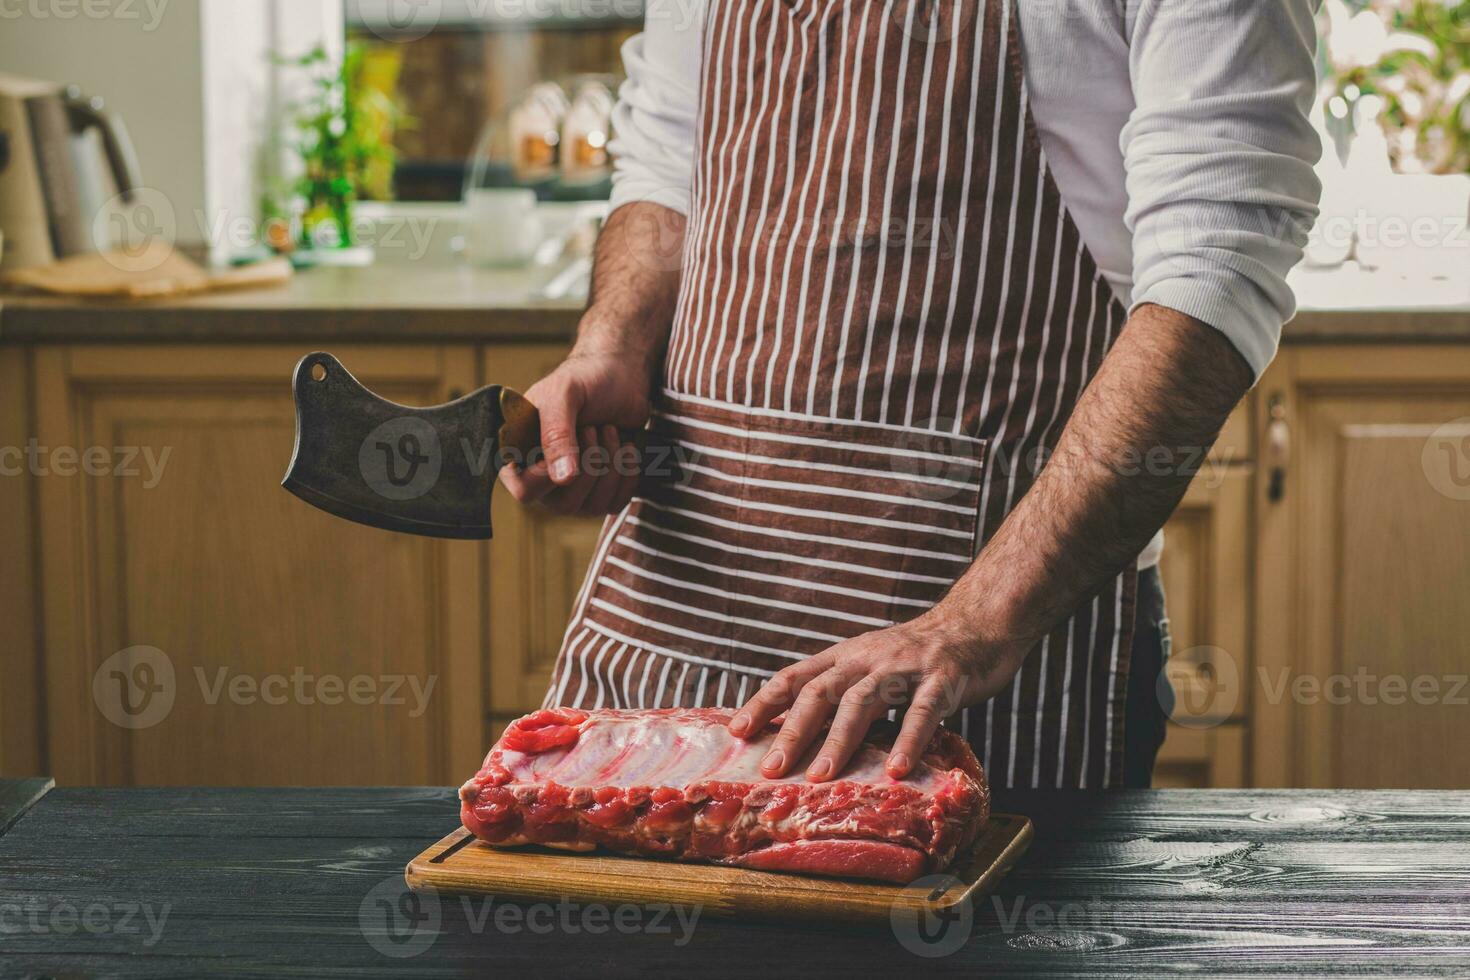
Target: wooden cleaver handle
(520, 427)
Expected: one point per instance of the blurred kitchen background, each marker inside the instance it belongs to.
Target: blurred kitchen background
(196, 193)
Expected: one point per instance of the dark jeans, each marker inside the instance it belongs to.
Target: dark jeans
(1149, 702)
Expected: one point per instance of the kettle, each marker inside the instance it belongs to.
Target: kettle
(63, 156)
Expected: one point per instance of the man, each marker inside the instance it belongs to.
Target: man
(939, 302)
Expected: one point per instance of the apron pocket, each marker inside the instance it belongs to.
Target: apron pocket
(782, 534)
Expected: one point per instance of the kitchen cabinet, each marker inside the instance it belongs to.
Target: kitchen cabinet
(21, 693)
(1362, 618)
(1206, 573)
(1209, 758)
(201, 625)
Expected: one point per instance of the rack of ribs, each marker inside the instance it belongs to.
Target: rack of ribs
(674, 783)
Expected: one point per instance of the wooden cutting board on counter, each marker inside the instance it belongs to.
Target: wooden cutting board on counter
(154, 272)
(463, 865)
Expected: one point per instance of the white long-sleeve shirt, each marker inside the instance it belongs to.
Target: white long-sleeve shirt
(1176, 130)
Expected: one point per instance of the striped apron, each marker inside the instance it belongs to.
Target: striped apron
(886, 318)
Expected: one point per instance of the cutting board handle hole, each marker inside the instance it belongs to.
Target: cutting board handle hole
(453, 849)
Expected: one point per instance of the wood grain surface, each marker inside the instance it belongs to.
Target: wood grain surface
(462, 865)
(310, 882)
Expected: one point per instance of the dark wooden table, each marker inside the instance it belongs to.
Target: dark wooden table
(188, 882)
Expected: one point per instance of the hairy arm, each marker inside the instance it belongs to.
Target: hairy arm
(1120, 468)
(635, 284)
(604, 387)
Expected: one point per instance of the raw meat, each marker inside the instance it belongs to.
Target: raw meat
(675, 783)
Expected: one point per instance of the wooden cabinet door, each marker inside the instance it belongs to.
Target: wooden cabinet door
(202, 625)
(1364, 627)
(1205, 569)
(22, 735)
(537, 562)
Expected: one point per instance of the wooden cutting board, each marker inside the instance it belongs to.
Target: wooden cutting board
(155, 272)
(461, 864)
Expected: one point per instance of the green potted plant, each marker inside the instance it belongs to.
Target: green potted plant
(341, 134)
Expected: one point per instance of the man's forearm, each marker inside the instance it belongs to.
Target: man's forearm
(604, 389)
(635, 284)
(1120, 468)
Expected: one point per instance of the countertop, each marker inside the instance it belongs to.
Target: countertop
(194, 882)
(436, 303)
(390, 303)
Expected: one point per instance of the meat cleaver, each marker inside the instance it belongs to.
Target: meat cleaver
(425, 471)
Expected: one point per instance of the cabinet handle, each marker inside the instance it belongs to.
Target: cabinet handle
(1278, 448)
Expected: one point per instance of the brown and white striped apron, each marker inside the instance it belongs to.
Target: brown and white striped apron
(886, 318)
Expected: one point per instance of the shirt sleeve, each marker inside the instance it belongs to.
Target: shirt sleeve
(654, 119)
(1219, 155)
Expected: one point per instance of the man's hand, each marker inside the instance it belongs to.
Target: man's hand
(585, 404)
(929, 664)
